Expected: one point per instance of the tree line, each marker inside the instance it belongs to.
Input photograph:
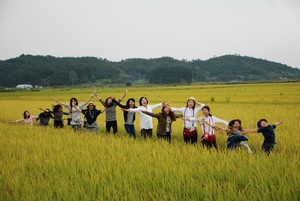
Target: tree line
(69, 71)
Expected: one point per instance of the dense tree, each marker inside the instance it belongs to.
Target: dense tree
(67, 71)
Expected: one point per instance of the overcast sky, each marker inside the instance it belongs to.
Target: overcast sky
(122, 29)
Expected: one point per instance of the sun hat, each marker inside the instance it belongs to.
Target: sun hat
(91, 103)
(192, 98)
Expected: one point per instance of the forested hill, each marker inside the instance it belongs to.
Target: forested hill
(67, 71)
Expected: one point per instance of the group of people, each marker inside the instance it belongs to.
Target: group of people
(168, 114)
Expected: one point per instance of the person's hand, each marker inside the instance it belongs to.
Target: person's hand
(279, 122)
(166, 104)
(95, 92)
(201, 121)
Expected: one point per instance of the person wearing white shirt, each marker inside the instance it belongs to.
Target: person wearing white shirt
(146, 124)
(190, 111)
(208, 138)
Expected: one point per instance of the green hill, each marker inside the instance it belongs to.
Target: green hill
(67, 71)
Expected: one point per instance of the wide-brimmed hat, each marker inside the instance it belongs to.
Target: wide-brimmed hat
(91, 103)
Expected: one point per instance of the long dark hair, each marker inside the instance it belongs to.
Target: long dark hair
(72, 100)
(24, 114)
(127, 103)
(140, 101)
(108, 104)
(171, 114)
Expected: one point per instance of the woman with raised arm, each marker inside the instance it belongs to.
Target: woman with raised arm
(91, 114)
(110, 112)
(268, 133)
(146, 124)
(77, 120)
(165, 119)
(129, 117)
(44, 117)
(190, 134)
(27, 119)
(58, 113)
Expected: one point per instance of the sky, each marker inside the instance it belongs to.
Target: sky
(124, 29)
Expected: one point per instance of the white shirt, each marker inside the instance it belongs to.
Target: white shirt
(75, 115)
(212, 120)
(145, 120)
(188, 113)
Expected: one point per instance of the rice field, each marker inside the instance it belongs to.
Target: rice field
(38, 163)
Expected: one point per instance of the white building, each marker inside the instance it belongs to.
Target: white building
(24, 86)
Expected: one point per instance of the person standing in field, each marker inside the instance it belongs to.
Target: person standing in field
(27, 119)
(268, 134)
(110, 112)
(44, 117)
(91, 114)
(235, 134)
(190, 134)
(208, 138)
(129, 117)
(165, 119)
(73, 107)
(58, 113)
(146, 124)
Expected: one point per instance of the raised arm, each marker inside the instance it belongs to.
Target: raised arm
(155, 105)
(201, 104)
(61, 103)
(166, 104)
(79, 110)
(91, 96)
(99, 98)
(150, 113)
(120, 99)
(118, 103)
(257, 130)
(45, 110)
(175, 109)
(95, 93)
(278, 123)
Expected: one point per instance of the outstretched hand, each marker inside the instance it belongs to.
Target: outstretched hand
(279, 122)
(126, 110)
(202, 121)
(166, 104)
